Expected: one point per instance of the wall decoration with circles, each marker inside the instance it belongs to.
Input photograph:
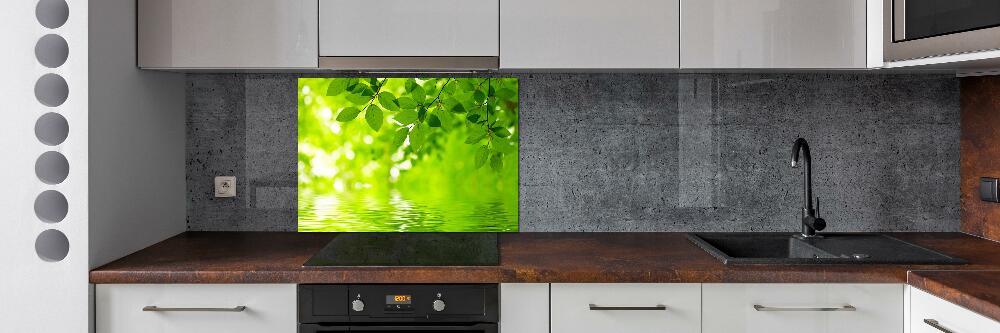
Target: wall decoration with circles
(51, 129)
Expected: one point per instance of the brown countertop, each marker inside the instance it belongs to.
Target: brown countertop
(975, 290)
(273, 257)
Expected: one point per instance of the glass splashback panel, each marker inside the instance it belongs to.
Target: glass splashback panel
(408, 155)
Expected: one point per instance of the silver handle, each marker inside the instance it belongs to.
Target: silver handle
(154, 308)
(657, 307)
(935, 324)
(759, 307)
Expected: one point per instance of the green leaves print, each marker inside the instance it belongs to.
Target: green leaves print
(420, 113)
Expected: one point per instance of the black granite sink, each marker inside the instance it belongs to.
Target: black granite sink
(833, 248)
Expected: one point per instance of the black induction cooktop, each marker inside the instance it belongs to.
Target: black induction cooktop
(409, 249)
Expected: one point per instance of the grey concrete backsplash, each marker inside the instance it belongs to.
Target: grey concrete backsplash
(639, 152)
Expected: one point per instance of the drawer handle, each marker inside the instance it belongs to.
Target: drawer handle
(154, 308)
(759, 307)
(935, 324)
(595, 307)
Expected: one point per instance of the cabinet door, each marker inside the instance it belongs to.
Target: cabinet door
(524, 308)
(589, 34)
(408, 28)
(227, 33)
(773, 34)
(625, 308)
(930, 314)
(191, 308)
(802, 308)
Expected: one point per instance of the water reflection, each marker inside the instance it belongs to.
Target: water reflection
(394, 213)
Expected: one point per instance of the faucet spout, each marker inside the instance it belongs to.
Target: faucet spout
(810, 222)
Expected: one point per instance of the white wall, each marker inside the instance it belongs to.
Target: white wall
(38, 295)
(137, 191)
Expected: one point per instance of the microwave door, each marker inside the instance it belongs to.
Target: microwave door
(916, 19)
(916, 29)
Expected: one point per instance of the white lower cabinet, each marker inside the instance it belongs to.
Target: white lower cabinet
(190, 308)
(625, 308)
(524, 308)
(802, 308)
(930, 314)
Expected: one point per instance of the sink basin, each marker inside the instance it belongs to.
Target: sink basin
(836, 248)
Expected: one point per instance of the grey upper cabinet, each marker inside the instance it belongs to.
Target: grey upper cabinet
(191, 34)
(585, 34)
(400, 34)
(775, 34)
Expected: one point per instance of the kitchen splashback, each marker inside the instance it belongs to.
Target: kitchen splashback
(639, 152)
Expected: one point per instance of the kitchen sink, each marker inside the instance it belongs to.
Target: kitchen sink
(831, 248)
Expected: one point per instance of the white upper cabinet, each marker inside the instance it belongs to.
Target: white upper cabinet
(778, 33)
(580, 34)
(408, 28)
(227, 33)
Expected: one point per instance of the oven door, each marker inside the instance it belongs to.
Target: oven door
(474, 328)
(916, 29)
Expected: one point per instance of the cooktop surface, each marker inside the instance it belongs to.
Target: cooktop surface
(409, 249)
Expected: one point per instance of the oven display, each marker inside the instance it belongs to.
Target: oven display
(399, 303)
(398, 299)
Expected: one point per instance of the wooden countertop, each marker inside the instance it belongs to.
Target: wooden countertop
(274, 257)
(974, 290)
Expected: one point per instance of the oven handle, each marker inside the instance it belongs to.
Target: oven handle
(485, 328)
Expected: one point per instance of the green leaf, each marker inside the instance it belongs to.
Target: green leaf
(367, 92)
(374, 117)
(417, 137)
(476, 135)
(496, 161)
(450, 87)
(500, 131)
(357, 99)
(400, 136)
(406, 117)
(421, 114)
(482, 155)
(506, 93)
(406, 103)
(473, 117)
(458, 108)
(466, 85)
(504, 146)
(434, 121)
(447, 119)
(417, 93)
(348, 114)
(337, 87)
(479, 97)
(388, 101)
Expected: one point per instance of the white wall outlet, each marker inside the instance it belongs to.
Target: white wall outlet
(225, 187)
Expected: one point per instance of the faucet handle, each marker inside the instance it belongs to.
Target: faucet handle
(817, 206)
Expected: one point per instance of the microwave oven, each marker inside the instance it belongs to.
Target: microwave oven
(915, 29)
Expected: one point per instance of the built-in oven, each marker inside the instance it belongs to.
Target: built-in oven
(929, 28)
(389, 308)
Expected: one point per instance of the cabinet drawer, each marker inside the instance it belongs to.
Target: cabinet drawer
(626, 308)
(802, 308)
(269, 308)
(946, 315)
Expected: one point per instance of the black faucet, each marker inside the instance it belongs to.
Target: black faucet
(811, 222)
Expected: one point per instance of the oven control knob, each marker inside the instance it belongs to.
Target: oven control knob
(438, 305)
(358, 305)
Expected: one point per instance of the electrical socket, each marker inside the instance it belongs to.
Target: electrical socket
(225, 187)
